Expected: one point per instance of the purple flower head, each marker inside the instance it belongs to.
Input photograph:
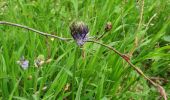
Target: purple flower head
(79, 32)
(23, 63)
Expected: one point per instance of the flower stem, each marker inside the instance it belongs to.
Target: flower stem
(34, 30)
(74, 70)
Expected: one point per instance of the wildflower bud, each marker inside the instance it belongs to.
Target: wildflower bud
(44, 88)
(29, 77)
(67, 87)
(79, 32)
(108, 26)
(39, 61)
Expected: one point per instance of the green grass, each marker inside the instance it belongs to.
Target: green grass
(101, 74)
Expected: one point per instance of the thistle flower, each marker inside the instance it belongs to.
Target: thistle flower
(79, 32)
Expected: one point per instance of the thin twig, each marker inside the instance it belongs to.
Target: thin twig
(34, 30)
(122, 16)
(93, 41)
(139, 71)
(138, 28)
(107, 28)
(101, 36)
(147, 25)
(141, 15)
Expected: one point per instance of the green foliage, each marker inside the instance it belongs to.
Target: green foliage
(101, 74)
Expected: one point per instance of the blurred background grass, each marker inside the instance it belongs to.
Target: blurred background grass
(101, 74)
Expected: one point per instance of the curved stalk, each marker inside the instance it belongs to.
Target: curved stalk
(139, 71)
(34, 30)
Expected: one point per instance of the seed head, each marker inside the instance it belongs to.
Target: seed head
(39, 61)
(79, 32)
(108, 26)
